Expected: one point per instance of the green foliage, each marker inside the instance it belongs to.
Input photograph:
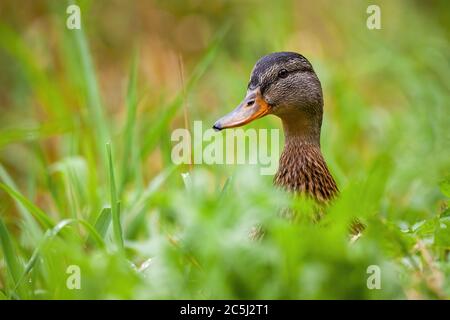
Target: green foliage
(140, 227)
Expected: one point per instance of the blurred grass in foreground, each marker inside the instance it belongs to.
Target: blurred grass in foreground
(123, 213)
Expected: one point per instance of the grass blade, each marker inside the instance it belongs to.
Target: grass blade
(17, 135)
(103, 222)
(94, 102)
(151, 189)
(130, 125)
(49, 235)
(153, 135)
(45, 89)
(115, 208)
(30, 223)
(138, 210)
(37, 213)
(93, 234)
(12, 262)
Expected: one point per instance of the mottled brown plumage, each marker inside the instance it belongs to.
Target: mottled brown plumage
(302, 170)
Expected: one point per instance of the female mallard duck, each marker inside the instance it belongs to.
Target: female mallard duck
(285, 84)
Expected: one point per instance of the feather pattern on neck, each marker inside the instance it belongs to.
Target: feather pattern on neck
(303, 170)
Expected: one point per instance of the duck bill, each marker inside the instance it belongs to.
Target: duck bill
(253, 107)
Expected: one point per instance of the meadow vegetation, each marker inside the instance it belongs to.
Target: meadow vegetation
(86, 176)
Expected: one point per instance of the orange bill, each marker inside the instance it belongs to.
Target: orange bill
(253, 107)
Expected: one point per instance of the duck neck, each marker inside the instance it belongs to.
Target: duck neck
(302, 168)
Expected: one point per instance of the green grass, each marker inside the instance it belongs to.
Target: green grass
(115, 203)
(87, 180)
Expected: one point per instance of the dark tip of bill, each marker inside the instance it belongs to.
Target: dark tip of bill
(216, 127)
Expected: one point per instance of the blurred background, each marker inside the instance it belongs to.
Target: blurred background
(140, 229)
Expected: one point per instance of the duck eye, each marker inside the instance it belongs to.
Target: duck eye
(283, 73)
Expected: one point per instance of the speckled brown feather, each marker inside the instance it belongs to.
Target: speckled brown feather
(303, 170)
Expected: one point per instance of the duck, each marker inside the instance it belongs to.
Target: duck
(284, 84)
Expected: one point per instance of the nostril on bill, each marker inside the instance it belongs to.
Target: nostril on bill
(250, 103)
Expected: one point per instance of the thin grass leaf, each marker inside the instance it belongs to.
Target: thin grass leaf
(74, 171)
(92, 233)
(45, 89)
(136, 224)
(130, 127)
(153, 135)
(94, 102)
(115, 208)
(37, 213)
(103, 222)
(187, 180)
(15, 135)
(137, 211)
(30, 223)
(152, 188)
(52, 233)
(13, 264)
(225, 188)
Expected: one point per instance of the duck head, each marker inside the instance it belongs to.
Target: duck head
(283, 84)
